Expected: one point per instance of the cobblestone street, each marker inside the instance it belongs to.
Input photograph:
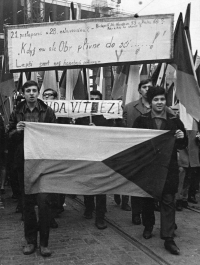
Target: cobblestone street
(78, 242)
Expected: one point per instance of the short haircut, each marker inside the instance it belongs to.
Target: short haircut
(144, 82)
(96, 93)
(30, 83)
(155, 91)
(55, 94)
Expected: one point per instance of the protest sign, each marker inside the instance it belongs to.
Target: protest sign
(110, 109)
(89, 42)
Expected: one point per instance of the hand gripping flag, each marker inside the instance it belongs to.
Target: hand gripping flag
(89, 160)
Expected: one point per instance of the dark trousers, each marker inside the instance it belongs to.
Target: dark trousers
(167, 213)
(144, 206)
(193, 181)
(125, 198)
(30, 218)
(100, 204)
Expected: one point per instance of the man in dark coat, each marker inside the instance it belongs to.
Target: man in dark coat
(31, 110)
(131, 111)
(159, 119)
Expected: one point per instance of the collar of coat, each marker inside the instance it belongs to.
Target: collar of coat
(139, 105)
(21, 105)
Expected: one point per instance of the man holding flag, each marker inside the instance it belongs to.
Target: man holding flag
(31, 110)
(158, 118)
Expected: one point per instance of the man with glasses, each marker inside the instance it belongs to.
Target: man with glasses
(49, 94)
(31, 109)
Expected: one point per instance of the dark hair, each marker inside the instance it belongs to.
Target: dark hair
(30, 83)
(55, 94)
(155, 91)
(96, 93)
(144, 82)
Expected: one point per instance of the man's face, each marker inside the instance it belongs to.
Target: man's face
(31, 94)
(94, 97)
(48, 95)
(158, 103)
(144, 88)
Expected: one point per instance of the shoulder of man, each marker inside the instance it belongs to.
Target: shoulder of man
(132, 104)
(42, 104)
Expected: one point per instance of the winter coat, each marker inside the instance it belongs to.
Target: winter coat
(172, 123)
(46, 115)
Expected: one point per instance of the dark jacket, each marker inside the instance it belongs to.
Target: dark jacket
(46, 115)
(172, 123)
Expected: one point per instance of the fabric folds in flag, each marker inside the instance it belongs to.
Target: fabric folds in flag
(120, 82)
(187, 88)
(96, 160)
(7, 85)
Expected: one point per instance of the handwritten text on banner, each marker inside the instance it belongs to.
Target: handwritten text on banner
(110, 109)
(89, 42)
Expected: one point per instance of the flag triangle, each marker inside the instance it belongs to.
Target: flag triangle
(155, 154)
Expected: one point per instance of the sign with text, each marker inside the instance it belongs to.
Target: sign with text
(89, 42)
(110, 109)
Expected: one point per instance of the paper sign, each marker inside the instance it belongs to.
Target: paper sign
(89, 42)
(110, 109)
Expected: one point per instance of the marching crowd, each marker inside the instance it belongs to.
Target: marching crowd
(149, 112)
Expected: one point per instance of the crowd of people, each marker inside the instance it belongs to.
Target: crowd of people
(149, 112)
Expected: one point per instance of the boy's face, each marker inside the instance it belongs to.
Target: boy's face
(158, 103)
(94, 97)
(48, 95)
(144, 88)
(31, 94)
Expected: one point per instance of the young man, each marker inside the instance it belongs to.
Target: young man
(131, 111)
(136, 108)
(101, 198)
(158, 118)
(31, 110)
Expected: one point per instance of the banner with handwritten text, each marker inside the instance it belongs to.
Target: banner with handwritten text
(89, 42)
(110, 109)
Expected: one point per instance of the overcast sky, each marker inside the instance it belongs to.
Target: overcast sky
(150, 7)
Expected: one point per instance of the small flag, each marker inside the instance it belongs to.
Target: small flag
(120, 82)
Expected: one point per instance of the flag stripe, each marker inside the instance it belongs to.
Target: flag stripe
(81, 142)
(84, 177)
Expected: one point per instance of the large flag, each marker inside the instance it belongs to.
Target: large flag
(187, 88)
(187, 25)
(198, 74)
(95, 160)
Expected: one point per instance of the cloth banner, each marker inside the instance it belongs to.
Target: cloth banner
(110, 109)
(73, 159)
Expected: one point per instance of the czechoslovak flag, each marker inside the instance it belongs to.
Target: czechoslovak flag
(89, 160)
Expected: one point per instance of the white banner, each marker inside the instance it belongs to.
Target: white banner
(83, 42)
(110, 109)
